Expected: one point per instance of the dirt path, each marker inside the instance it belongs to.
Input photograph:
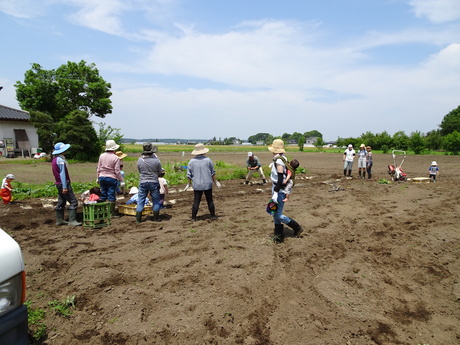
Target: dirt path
(377, 264)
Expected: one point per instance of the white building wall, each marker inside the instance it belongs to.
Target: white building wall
(7, 131)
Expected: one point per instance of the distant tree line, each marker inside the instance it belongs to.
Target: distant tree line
(446, 138)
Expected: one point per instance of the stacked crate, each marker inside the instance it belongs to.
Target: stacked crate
(96, 215)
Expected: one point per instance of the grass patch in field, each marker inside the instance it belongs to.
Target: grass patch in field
(36, 319)
(23, 191)
(63, 308)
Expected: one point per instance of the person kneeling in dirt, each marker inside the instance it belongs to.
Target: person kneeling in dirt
(65, 191)
(278, 175)
(149, 168)
(201, 175)
(253, 165)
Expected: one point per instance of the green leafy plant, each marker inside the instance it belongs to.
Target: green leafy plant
(37, 326)
(63, 308)
(383, 181)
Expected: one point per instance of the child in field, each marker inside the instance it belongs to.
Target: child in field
(163, 188)
(434, 171)
(91, 196)
(290, 176)
(7, 190)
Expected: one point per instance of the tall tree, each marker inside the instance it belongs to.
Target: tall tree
(417, 142)
(451, 122)
(68, 95)
(74, 86)
(451, 142)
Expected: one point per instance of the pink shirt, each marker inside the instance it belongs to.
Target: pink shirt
(109, 166)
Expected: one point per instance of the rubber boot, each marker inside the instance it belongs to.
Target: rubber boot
(296, 227)
(264, 181)
(73, 218)
(344, 172)
(113, 212)
(349, 173)
(138, 217)
(279, 233)
(156, 216)
(60, 218)
(359, 174)
(364, 175)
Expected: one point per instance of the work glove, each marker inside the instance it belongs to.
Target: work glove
(275, 197)
(218, 184)
(186, 187)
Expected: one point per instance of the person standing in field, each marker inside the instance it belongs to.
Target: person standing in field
(278, 175)
(434, 171)
(253, 165)
(149, 168)
(362, 161)
(201, 175)
(348, 157)
(369, 162)
(62, 182)
(109, 174)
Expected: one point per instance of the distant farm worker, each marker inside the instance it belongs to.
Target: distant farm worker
(278, 175)
(253, 165)
(7, 190)
(66, 195)
(121, 184)
(290, 177)
(434, 171)
(362, 161)
(369, 162)
(109, 174)
(348, 157)
(201, 175)
(163, 188)
(149, 168)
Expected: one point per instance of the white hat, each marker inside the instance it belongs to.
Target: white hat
(133, 190)
(350, 145)
(250, 154)
(10, 176)
(111, 145)
(434, 163)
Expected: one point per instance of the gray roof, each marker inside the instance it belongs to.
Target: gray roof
(7, 113)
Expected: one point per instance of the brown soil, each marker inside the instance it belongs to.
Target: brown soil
(377, 263)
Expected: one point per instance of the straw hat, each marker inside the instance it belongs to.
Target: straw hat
(277, 146)
(60, 148)
(111, 145)
(362, 145)
(120, 154)
(200, 149)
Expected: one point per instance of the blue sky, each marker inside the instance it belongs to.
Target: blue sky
(205, 68)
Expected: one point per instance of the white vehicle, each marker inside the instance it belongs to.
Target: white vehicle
(13, 312)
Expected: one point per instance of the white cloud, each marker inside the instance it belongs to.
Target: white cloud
(437, 11)
(23, 8)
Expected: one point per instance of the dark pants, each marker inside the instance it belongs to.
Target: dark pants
(109, 187)
(197, 194)
(369, 169)
(68, 197)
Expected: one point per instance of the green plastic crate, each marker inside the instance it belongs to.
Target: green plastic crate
(96, 215)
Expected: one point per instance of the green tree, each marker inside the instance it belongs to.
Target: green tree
(451, 122)
(107, 132)
(401, 141)
(78, 130)
(451, 142)
(319, 143)
(417, 142)
(295, 136)
(265, 137)
(434, 140)
(301, 142)
(46, 130)
(383, 141)
(74, 86)
(368, 139)
(53, 95)
(312, 134)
